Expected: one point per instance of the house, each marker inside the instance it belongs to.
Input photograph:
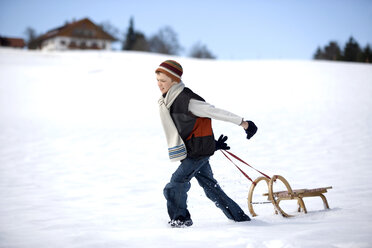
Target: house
(12, 42)
(82, 34)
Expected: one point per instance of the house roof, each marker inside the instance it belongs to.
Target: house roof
(84, 28)
(12, 42)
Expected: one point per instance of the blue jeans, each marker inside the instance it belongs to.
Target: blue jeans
(176, 191)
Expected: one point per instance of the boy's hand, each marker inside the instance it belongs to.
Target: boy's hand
(251, 129)
(221, 143)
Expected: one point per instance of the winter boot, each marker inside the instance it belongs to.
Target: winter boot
(180, 223)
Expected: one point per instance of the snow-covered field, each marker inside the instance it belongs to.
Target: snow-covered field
(83, 158)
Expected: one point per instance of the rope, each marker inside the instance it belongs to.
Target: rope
(239, 159)
(238, 167)
(236, 157)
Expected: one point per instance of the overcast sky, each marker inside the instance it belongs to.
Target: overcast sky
(231, 29)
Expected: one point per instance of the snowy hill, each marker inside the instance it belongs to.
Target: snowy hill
(83, 157)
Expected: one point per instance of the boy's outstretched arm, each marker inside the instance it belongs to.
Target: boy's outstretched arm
(204, 109)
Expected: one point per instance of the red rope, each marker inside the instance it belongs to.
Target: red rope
(236, 157)
(238, 167)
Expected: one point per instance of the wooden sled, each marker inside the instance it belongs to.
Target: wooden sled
(276, 197)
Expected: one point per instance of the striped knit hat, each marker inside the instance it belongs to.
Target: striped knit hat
(172, 69)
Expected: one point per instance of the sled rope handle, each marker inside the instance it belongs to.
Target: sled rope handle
(238, 168)
(239, 159)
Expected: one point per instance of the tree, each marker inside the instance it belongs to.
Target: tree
(352, 51)
(165, 41)
(31, 38)
(319, 54)
(130, 37)
(199, 50)
(367, 54)
(110, 29)
(135, 40)
(332, 51)
(141, 43)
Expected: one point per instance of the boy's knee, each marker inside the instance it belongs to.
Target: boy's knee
(167, 191)
(172, 188)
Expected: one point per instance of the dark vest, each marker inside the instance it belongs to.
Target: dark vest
(196, 132)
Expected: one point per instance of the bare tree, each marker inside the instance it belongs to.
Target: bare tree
(110, 29)
(165, 41)
(31, 38)
(201, 51)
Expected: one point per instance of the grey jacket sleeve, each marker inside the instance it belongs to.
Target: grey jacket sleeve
(204, 109)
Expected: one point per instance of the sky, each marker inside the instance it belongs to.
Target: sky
(231, 29)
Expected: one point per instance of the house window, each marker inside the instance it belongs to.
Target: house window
(83, 45)
(72, 45)
(95, 45)
(83, 32)
(63, 43)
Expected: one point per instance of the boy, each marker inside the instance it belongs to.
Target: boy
(186, 119)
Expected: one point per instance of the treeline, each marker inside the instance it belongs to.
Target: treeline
(165, 41)
(352, 51)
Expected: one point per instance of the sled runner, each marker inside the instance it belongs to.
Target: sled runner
(276, 197)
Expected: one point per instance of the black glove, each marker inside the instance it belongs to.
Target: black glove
(221, 143)
(251, 130)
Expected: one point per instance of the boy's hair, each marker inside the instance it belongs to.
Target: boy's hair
(172, 69)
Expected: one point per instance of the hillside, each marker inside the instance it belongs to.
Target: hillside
(83, 157)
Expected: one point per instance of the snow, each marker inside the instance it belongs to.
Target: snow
(83, 158)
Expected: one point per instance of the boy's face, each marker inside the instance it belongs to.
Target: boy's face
(164, 82)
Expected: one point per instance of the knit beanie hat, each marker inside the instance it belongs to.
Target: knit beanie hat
(172, 69)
